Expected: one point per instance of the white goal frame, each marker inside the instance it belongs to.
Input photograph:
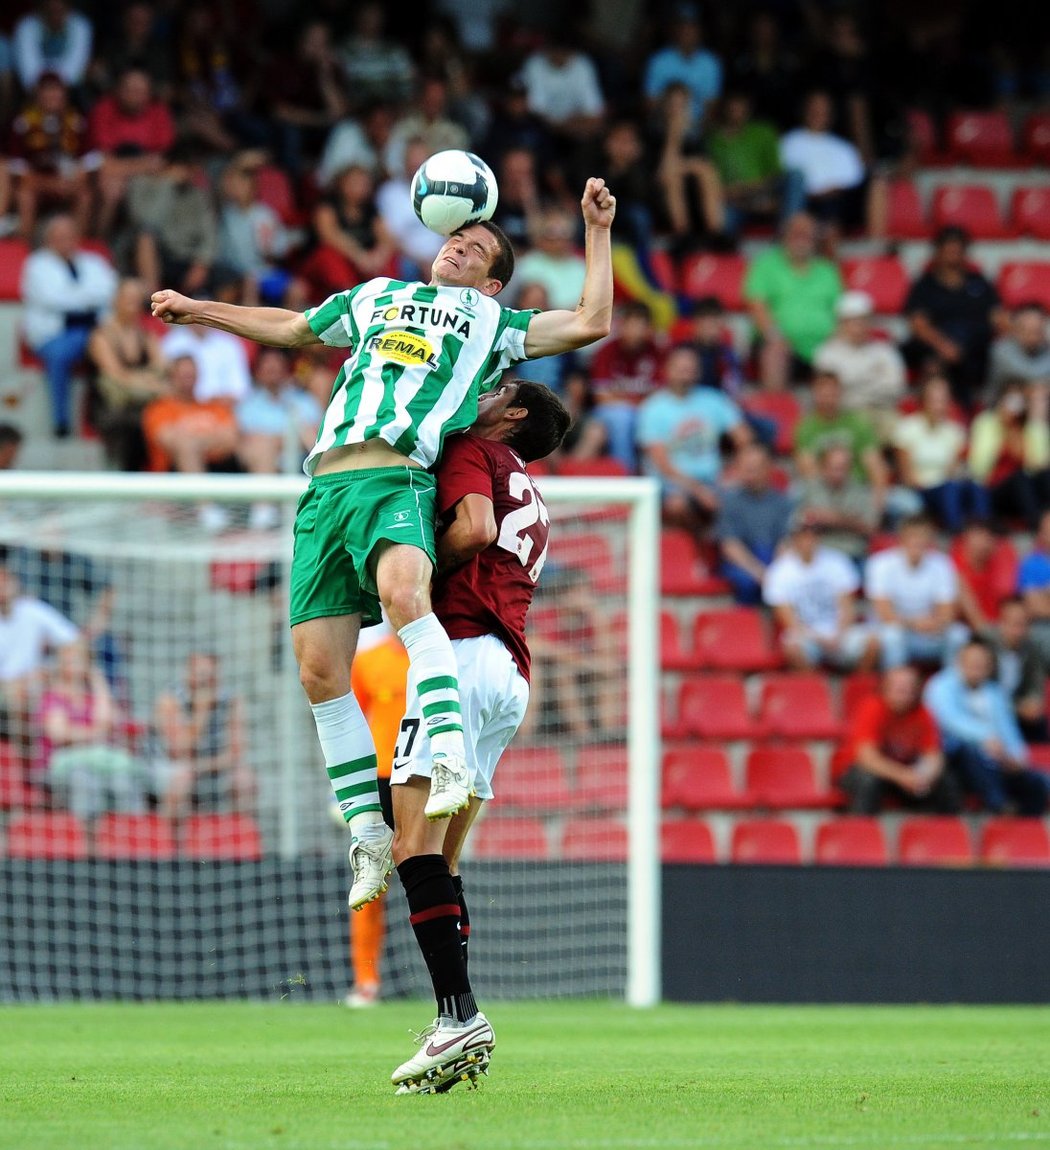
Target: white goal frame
(639, 495)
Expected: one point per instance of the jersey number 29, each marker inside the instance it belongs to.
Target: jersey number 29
(514, 530)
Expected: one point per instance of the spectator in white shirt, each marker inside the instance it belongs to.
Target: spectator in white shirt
(65, 292)
(837, 187)
(429, 121)
(221, 359)
(870, 370)
(914, 590)
(554, 261)
(415, 241)
(563, 90)
(356, 143)
(29, 630)
(52, 39)
(812, 590)
(930, 445)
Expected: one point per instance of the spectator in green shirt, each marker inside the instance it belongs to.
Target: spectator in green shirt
(791, 293)
(746, 155)
(829, 424)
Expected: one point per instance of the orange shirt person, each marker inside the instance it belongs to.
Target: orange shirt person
(378, 679)
(183, 432)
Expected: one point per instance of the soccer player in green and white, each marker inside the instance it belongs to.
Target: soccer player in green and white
(419, 355)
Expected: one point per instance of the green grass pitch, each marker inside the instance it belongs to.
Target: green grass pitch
(565, 1076)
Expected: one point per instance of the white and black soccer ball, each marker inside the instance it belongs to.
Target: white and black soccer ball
(452, 189)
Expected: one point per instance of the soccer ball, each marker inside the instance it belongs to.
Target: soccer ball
(452, 189)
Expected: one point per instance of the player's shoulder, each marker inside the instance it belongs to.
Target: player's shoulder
(496, 455)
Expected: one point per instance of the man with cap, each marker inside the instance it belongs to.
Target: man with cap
(812, 589)
(870, 369)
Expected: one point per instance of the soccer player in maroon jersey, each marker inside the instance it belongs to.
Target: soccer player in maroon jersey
(492, 544)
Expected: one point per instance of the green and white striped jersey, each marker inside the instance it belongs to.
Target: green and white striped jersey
(420, 355)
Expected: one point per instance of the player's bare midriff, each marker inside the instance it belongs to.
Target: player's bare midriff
(361, 456)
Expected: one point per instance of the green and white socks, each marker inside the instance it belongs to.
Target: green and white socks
(350, 759)
(435, 676)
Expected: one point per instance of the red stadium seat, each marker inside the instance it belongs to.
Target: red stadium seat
(533, 778)
(857, 687)
(851, 842)
(798, 706)
(238, 576)
(13, 253)
(1030, 212)
(673, 656)
(906, 218)
(765, 841)
(275, 189)
(221, 836)
(699, 779)
(934, 841)
(592, 553)
(686, 841)
(721, 276)
(1035, 137)
(923, 136)
(663, 269)
(736, 639)
(601, 468)
(783, 408)
(984, 139)
(600, 781)
(682, 569)
(503, 838)
(1015, 842)
(15, 792)
(881, 277)
(595, 840)
(1039, 755)
(970, 206)
(1024, 282)
(46, 835)
(126, 836)
(783, 778)
(714, 707)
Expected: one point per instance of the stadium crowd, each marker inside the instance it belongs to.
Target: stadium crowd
(867, 479)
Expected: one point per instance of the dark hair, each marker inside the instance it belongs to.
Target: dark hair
(502, 267)
(950, 233)
(983, 644)
(543, 429)
(10, 435)
(1030, 305)
(1014, 600)
(920, 519)
(638, 310)
(708, 305)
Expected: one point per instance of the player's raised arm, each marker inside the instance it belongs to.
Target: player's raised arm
(554, 332)
(276, 326)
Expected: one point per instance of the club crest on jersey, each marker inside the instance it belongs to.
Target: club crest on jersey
(469, 297)
(403, 347)
(423, 313)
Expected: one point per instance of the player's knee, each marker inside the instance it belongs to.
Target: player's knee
(407, 844)
(405, 604)
(321, 676)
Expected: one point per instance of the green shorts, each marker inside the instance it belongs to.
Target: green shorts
(340, 520)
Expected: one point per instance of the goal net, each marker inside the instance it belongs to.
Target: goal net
(165, 820)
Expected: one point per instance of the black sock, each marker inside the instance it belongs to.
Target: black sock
(464, 917)
(434, 915)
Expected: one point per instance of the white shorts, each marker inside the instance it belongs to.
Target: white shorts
(493, 695)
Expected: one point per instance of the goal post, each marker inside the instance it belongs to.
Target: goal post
(179, 586)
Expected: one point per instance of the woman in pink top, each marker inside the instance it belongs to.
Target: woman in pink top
(78, 718)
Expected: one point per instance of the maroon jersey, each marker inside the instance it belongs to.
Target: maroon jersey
(491, 594)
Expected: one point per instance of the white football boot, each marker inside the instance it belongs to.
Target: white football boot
(448, 1052)
(371, 861)
(450, 785)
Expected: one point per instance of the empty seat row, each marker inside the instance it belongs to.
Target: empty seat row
(849, 841)
(734, 639)
(58, 835)
(776, 777)
(981, 139)
(791, 706)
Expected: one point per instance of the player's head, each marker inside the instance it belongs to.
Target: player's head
(478, 256)
(526, 416)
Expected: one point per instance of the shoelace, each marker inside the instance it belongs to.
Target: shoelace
(441, 777)
(420, 1036)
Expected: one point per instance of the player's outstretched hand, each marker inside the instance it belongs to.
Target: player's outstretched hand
(598, 203)
(172, 307)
